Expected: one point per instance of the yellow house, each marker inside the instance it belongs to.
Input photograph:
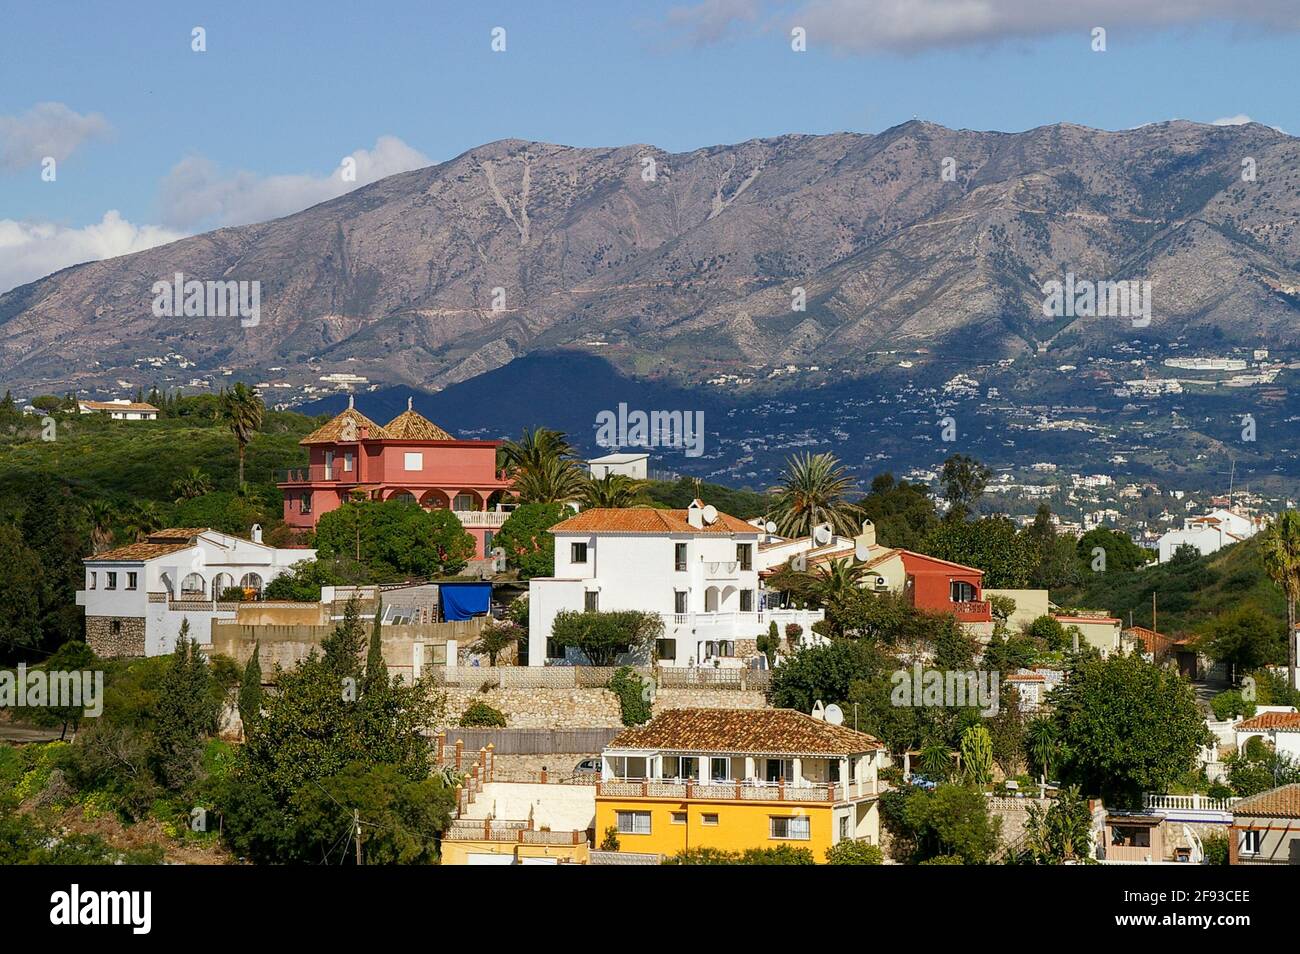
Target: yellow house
(735, 779)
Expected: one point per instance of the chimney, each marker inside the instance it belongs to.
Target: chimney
(695, 514)
(257, 533)
(867, 538)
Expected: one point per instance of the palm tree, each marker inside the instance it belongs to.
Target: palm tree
(194, 483)
(936, 760)
(141, 520)
(1043, 739)
(1280, 549)
(535, 446)
(612, 491)
(812, 492)
(550, 481)
(242, 411)
(834, 580)
(102, 517)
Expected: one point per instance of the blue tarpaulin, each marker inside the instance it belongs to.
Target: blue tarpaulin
(464, 600)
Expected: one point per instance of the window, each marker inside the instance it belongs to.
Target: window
(577, 553)
(747, 601)
(132, 580)
(305, 503)
(679, 601)
(464, 502)
(115, 627)
(488, 537)
(329, 465)
(844, 827)
(709, 819)
(666, 649)
(1131, 836)
(961, 591)
(1251, 842)
(413, 460)
(723, 648)
(93, 575)
(111, 582)
(679, 557)
(591, 602)
(680, 766)
(833, 766)
(679, 818)
(192, 586)
(634, 823)
(719, 770)
(745, 555)
(347, 460)
(779, 770)
(793, 829)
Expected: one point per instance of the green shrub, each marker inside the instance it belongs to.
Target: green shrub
(855, 853)
(1230, 704)
(481, 715)
(633, 696)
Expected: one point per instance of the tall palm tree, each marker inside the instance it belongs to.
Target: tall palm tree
(141, 520)
(533, 448)
(612, 490)
(812, 492)
(102, 517)
(242, 411)
(1280, 550)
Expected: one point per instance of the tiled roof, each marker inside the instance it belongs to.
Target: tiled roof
(411, 425)
(1270, 720)
(159, 543)
(646, 520)
(1283, 802)
(332, 432)
(756, 731)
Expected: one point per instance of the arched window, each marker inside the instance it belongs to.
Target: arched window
(465, 501)
(961, 591)
(251, 581)
(220, 583)
(404, 496)
(193, 587)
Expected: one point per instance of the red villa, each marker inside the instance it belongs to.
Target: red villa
(409, 458)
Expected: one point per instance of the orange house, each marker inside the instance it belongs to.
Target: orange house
(410, 458)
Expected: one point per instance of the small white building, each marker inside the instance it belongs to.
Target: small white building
(136, 596)
(120, 409)
(697, 568)
(635, 466)
(1210, 532)
(1279, 726)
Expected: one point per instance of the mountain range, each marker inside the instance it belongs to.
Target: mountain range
(680, 267)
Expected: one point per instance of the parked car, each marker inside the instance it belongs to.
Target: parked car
(920, 781)
(587, 767)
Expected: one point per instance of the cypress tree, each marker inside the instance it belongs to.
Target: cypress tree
(375, 668)
(250, 690)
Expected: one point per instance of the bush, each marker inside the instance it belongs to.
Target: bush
(481, 715)
(1228, 705)
(780, 855)
(633, 696)
(854, 853)
(1216, 848)
(610, 842)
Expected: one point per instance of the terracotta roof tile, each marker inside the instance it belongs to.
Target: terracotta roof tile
(332, 432)
(158, 543)
(411, 425)
(1283, 802)
(757, 731)
(110, 406)
(1270, 720)
(646, 520)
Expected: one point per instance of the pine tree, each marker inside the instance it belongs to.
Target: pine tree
(342, 648)
(250, 690)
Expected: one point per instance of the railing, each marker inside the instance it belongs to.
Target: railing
(481, 518)
(973, 611)
(313, 473)
(469, 829)
(749, 790)
(1188, 803)
(736, 621)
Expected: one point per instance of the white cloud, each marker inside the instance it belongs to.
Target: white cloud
(30, 250)
(198, 194)
(907, 26)
(47, 129)
(1238, 120)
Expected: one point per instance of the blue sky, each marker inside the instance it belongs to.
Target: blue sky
(176, 141)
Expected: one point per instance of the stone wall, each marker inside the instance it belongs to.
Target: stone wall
(110, 636)
(583, 708)
(708, 699)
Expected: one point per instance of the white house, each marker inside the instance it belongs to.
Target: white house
(696, 567)
(1277, 725)
(1210, 532)
(136, 596)
(120, 409)
(635, 466)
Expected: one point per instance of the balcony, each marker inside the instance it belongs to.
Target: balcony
(312, 474)
(973, 611)
(742, 625)
(750, 790)
(481, 518)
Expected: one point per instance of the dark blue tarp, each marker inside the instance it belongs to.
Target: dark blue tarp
(464, 600)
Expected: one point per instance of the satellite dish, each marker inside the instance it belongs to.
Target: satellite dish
(822, 534)
(710, 514)
(818, 711)
(834, 714)
(771, 527)
(862, 552)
